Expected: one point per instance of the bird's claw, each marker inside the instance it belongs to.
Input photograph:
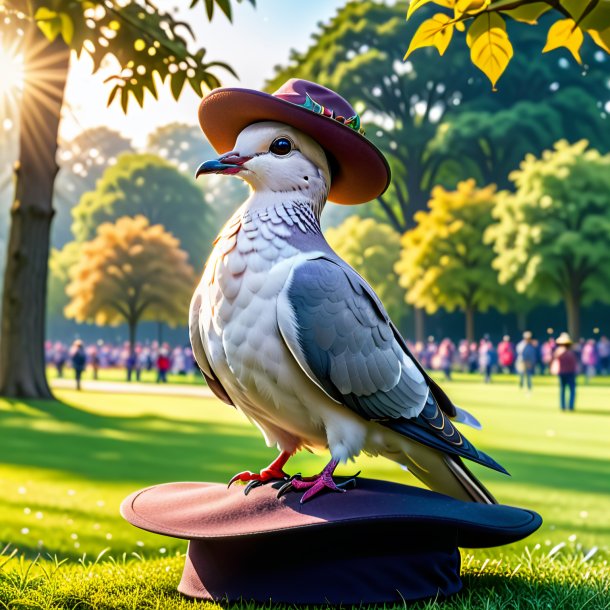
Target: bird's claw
(255, 479)
(315, 485)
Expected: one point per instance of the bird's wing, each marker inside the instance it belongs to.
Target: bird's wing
(199, 351)
(340, 334)
(342, 338)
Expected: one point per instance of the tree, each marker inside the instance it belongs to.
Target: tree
(149, 48)
(487, 37)
(149, 186)
(444, 261)
(82, 162)
(131, 271)
(372, 248)
(552, 235)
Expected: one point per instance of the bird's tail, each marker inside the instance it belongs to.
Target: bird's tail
(441, 472)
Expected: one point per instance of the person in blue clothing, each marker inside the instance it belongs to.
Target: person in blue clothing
(526, 360)
(79, 360)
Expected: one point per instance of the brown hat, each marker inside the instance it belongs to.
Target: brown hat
(360, 172)
(379, 542)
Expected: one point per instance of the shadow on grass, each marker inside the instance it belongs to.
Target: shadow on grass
(152, 449)
(143, 449)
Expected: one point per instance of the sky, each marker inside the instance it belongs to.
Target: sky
(257, 40)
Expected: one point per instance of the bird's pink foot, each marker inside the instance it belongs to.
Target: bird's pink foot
(318, 483)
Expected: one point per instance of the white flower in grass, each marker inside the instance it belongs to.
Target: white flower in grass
(74, 536)
(27, 511)
(22, 490)
(162, 550)
(100, 503)
(108, 536)
(71, 492)
(584, 514)
(39, 515)
(139, 543)
(25, 530)
(572, 537)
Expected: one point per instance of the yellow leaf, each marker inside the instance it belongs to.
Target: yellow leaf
(67, 27)
(482, 24)
(528, 13)
(470, 6)
(565, 33)
(415, 4)
(435, 32)
(601, 39)
(490, 47)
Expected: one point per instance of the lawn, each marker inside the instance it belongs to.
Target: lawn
(65, 466)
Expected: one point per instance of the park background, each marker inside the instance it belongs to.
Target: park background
(497, 221)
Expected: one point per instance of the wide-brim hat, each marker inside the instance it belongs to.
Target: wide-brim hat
(380, 542)
(564, 339)
(360, 172)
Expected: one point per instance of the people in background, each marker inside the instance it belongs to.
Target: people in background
(506, 354)
(79, 360)
(589, 359)
(565, 366)
(526, 360)
(163, 365)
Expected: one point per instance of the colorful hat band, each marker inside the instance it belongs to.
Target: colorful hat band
(352, 122)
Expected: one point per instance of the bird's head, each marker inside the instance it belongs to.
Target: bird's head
(274, 157)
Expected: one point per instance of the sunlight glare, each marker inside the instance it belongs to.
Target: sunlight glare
(11, 73)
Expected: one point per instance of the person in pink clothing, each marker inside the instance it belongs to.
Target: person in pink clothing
(506, 354)
(589, 359)
(565, 366)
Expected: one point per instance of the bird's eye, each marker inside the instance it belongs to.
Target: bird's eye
(280, 146)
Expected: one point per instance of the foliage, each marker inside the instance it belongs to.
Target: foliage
(154, 188)
(552, 236)
(131, 271)
(60, 263)
(372, 248)
(490, 46)
(444, 261)
(148, 43)
(82, 163)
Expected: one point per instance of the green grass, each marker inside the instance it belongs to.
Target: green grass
(65, 466)
(119, 374)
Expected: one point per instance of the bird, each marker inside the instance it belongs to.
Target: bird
(285, 330)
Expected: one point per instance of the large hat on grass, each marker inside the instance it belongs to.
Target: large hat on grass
(359, 170)
(379, 543)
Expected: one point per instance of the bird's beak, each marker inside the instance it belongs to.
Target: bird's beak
(231, 163)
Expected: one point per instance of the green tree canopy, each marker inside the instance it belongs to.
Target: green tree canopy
(372, 248)
(131, 271)
(444, 261)
(552, 235)
(149, 186)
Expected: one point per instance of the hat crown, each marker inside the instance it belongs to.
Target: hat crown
(296, 91)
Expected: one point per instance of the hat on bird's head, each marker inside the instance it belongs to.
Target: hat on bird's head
(359, 170)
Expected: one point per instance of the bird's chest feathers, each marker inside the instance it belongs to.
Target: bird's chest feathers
(249, 266)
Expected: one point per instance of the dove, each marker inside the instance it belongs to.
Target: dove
(286, 331)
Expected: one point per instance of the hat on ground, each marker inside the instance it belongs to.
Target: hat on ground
(564, 339)
(379, 543)
(360, 172)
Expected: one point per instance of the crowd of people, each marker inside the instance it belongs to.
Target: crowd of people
(161, 358)
(526, 357)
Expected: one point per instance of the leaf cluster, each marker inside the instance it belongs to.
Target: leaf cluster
(148, 185)
(552, 235)
(490, 47)
(150, 45)
(444, 261)
(130, 271)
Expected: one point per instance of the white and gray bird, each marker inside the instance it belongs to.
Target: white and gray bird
(287, 332)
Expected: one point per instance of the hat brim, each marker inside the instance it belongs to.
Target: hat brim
(360, 171)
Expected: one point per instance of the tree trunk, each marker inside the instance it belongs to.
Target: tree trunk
(521, 321)
(133, 327)
(22, 326)
(573, 314)
(469, 313)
